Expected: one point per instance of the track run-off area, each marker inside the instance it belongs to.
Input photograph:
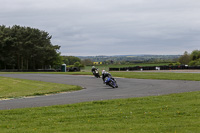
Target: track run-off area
(94, 89)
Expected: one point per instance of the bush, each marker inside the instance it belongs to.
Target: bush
(195, 62)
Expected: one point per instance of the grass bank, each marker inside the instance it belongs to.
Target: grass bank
(175, 113)
(158, 75)
(13, 88)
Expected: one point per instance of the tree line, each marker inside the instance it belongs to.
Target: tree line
(191, 59)
(27, 48)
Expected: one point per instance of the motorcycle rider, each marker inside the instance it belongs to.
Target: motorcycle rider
(93, 69)
(105, 74)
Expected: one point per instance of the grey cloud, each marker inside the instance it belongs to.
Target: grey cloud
(100, 27)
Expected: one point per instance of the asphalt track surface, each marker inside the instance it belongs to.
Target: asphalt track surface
(94, 89)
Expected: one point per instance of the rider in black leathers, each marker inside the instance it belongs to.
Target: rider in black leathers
(93, 69)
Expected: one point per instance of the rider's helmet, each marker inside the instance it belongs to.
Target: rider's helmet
(93, 66)
(103, 71)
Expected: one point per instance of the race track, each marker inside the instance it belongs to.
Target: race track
(94, 89)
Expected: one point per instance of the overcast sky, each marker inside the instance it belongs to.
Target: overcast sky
(110, 27)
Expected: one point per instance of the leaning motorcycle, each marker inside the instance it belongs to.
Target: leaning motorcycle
(111, 82)
(96, 74)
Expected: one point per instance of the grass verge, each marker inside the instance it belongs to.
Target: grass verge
(172, 113)
(13, 88)
(158, 75)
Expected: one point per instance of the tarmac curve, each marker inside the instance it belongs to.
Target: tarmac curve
(95, 90)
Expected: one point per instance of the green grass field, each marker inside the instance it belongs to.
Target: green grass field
(13, 88)
(175, 113)
(158, 75)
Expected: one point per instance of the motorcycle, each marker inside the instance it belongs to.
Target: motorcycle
(111, 82)
(96, 74)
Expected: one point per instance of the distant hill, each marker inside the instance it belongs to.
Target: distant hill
(132, 58)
